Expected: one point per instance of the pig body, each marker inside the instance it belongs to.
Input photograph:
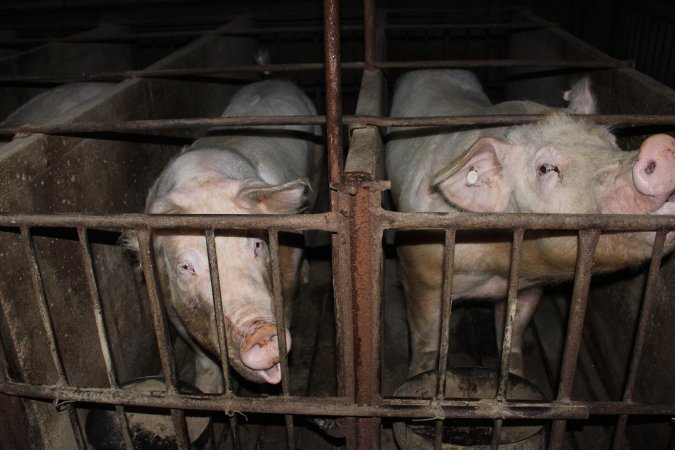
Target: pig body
(255, 170)
(54, 103)
(561, 164)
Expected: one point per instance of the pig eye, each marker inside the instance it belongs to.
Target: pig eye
(258, 247)
(187, 268)
(547, 168)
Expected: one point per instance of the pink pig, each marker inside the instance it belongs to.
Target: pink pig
(561, 164)
(255, 170)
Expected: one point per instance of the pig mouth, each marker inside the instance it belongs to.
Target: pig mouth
(271, 375)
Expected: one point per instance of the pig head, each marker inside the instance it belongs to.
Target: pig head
(561, 164)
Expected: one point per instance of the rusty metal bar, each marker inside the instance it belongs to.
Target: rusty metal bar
(512, 304)
(278, 305)
(331, 14)
(588, 240)
(496, 434)
(366, 272)
(369, 33)
(102, 330)
(641, 336)
(45, 316)
(161, 327)
(618, 121)
(332, 65)
(96, 304)
(331, 223)
(446, 312)
(218, 310)
(260, 31)
(338, 406)
(197, 222)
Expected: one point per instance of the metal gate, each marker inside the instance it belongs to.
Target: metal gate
(40, 231)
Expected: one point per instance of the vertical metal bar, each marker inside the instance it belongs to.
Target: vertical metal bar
(281, 329)
(87, 260)
(496, 434)
(45, 316)
(331, 35)
(512, 304)
(446, 311)
(588, 240)
(96, 304)
(369, 33)
(161, 328)
(218, 309)
(641, 334)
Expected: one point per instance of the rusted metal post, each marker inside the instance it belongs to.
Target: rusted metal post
(369, 33)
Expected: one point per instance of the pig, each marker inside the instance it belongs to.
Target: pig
(251, 170)
(54, 103)
(560, 164)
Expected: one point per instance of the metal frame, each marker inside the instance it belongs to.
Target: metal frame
(357, 223)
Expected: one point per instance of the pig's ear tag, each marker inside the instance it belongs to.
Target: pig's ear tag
(472, 176)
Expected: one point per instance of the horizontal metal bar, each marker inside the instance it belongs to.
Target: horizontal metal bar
(323, 406)
(328, 221)
(336, 406)
(618, 121)
(564, 222)
(297, 67)
(323, 222)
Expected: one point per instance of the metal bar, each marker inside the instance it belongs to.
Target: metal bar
(618, 121)
(331, 14)
(641, 336)
(149, 266)
(41, 298)
(512, 304)
(496, 433)
(161, 327)
(338, 406)
(329, 221)
(96, 304)
(331, 66)
(278, 305)
(588, 240)
(197, 222)
(365, 269)
(446, 312)
(369, 33)
(102, 330)
(218, 310)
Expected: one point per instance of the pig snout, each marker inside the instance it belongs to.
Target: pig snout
(260, 352)
(654, 168)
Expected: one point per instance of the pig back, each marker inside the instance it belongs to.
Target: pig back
(54, 103)
(275, 153)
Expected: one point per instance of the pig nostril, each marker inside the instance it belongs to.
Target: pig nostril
(651, 167)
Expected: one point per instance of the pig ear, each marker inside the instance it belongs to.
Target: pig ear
(581, 99)
(288, 198)
(476, 181)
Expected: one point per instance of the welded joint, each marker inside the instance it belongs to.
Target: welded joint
(359, 180)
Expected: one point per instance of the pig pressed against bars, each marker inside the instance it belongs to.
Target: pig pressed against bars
(561, 164)
(255, 170)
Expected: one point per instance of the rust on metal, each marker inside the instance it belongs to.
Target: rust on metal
(588, 240)
(618, 441)
(331, 36)
(369, 33)
(218, 309)
(618, 121)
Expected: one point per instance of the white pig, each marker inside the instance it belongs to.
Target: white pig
(54, 103)
(254, 170)
(561, 164)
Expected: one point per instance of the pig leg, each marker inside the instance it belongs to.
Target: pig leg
(421, 274)
(528, 299)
